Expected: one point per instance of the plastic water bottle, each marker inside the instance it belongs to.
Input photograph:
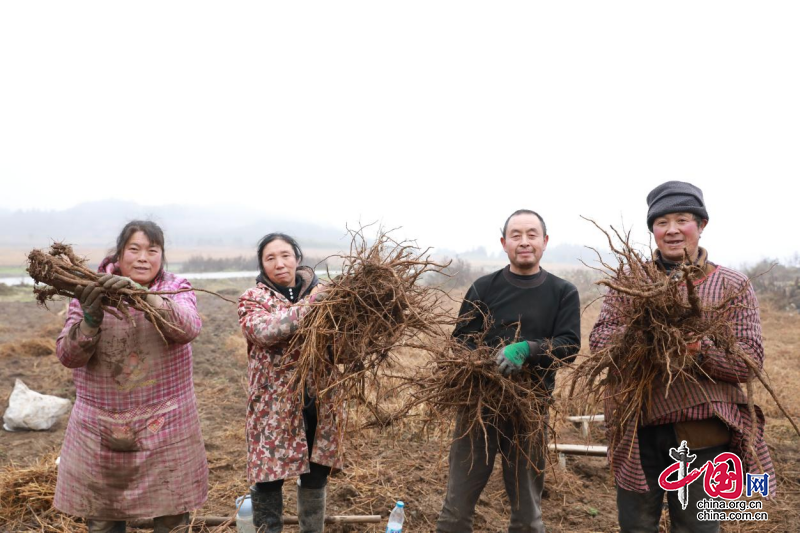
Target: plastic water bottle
(396, 518)
(244, 516)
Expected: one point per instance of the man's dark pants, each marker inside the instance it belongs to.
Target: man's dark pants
(471, 464)
(640, 512)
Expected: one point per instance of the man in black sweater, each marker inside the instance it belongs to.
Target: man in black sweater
(541, 312)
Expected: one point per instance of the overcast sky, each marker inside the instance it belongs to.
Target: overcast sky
(441, 117)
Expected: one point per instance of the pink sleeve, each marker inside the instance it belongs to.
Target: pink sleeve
(73, 348)
(182, 313)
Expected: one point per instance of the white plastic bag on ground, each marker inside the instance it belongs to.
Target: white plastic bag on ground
(28, 409)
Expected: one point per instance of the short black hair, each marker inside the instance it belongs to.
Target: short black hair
(524, 212)
(268, 238)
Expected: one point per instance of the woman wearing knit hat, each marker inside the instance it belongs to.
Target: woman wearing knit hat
(710, 413)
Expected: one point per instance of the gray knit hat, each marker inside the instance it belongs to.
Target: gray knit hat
(675, 197)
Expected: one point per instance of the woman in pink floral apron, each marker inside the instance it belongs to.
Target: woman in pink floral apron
(287, 433)
(133, 447)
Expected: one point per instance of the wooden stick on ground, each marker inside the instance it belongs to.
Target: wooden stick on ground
(211, 521)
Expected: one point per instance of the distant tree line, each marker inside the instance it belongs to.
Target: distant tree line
(777, 283)
(461, 274)
(242, 263)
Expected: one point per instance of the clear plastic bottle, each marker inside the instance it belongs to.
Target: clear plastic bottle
(397, 518)
(244, 516)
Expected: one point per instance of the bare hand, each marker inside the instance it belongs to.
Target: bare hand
(320, 293)
(693, 348)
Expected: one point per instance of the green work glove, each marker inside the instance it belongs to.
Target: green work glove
(91, 299)
(511, 358)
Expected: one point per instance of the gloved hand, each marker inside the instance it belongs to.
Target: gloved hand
(511, 358)
(91, 299)
(114, 282)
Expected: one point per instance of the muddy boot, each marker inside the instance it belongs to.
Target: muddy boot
(311, 509)
(267, 511)
(165, 524)
(105, 526)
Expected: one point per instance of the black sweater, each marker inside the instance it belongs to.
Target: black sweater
(546, 308)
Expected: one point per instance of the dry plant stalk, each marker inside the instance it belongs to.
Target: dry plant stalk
(26, 498)
(462, 382)
(663, 315)
(26, 501)
(375, 306)
(61, 272)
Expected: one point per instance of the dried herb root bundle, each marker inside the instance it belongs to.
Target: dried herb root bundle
(61, 272)
(660, 315)
(462, 381)
(376, 305)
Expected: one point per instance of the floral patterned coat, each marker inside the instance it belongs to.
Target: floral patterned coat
(276, 439)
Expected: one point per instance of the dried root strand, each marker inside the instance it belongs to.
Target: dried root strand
(26, 498)
(462, 381)
(377, 305)
(60, 272)
(662, 314)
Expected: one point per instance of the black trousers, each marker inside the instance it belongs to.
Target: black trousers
(640, 512)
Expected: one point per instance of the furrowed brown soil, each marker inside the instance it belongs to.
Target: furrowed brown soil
(382, 467)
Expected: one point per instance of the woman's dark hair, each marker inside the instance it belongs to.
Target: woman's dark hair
(266, 239)
(153, 232)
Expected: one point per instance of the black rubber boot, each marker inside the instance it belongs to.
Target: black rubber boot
(311, 509)
(267, 511)
(105, 526)
(165, 524)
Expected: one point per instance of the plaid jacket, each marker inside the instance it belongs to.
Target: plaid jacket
(721, 396)
(276, 439)
(133, 447)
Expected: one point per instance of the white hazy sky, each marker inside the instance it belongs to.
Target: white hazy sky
(441, 117)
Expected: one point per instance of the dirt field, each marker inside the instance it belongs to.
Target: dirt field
(381, 467)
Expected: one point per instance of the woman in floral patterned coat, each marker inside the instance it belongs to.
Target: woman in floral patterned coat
(287, 434)
(133, 447)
